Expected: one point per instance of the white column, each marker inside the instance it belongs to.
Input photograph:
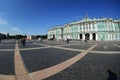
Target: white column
(91, 36)
(78, 36)
(111, 36)
(78, 28)
(96, 27)
(91, 27)
(96, 36)
(88, 27)
(105, 36)
(83, 35)
(107, 28)
(82, 27)
(85, 26)
(113, 27)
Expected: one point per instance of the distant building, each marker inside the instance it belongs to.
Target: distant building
(106, 29)
(29, 37)
(55, 33)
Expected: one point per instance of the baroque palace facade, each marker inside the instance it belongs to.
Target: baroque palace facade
(106, 29)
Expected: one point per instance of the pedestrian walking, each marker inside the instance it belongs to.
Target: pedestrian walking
(67, 40)
(23, 41)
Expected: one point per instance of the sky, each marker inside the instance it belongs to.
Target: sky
(35, 17)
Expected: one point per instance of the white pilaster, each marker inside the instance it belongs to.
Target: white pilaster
(78, 27)
(83, 37)
(88, 27)
(96, 36)
(91, 27)
(111, 36)
(91, 36)
(96, 27)
(78, 36)
(105, 36)
(81, 27)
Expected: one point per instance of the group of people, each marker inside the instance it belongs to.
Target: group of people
(23, 41)
(66, 40)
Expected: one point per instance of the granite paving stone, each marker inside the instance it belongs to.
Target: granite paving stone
(44, 58)
(7, 62)
(79, 46)
(92, 67)
(7, 46)
(106, 47)
(29, 46)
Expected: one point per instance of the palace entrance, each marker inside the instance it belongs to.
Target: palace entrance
(87, 36)
(53, 36)
(94, 36)
(80, 36)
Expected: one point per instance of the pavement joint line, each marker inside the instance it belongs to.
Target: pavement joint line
(33, 48)
(59, 47)
(69, 44)
(105, 52)
(116, 45)
(7, 49)
(24, 49)
(71, 49)
(45, 73)
(20, 68)
(42, 44)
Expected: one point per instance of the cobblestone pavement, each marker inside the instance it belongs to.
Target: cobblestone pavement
(92, 67)
(58, 60)
(7, 62)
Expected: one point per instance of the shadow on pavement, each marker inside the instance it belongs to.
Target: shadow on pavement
(111, 75)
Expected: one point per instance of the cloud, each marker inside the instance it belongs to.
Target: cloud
(3, 22)
(6, 26)
(16, 29)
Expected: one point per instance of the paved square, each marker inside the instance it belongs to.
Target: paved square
(7, 46)
(7, 62)
(79, 46)
(58, 60)
(106, 47)
(92, 67)
(44, 58)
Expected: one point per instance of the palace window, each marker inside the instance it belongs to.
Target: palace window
(86, 27)
(83, 27)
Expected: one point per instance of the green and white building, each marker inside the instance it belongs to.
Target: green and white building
(106, 29)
